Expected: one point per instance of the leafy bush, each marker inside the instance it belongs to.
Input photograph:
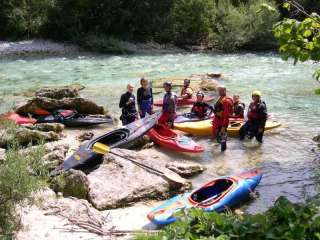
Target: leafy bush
(20, 175)
(191, 21)
(284, 220)
(105, 44)
(238, 26)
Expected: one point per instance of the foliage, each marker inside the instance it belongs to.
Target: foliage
(299, 40)
(104, 44)
(284, 220)
(23, 18)
(20, 175)
(191, 21)
(241, 25)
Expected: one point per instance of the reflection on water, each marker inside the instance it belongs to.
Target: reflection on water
(286, 156)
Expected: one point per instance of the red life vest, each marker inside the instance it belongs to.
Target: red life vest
(219, 108)
(253, 111)
(187, 90)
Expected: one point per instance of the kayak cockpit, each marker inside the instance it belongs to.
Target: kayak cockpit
(164, 132)
(211, 192)
(113, 137)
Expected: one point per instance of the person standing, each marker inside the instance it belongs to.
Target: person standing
(223, 109)
(186, 91)
(200, 108)
(257, 117)
(128, 106)
(169, 105)
(144, 98)
(238, 107)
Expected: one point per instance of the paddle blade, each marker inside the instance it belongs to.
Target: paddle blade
(100, 148)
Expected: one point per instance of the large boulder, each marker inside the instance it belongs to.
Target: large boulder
(71, 91)
(316, 138)
(209, 85)
(82, 105)
(118, 182)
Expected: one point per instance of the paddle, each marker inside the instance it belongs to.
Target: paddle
(101, 148)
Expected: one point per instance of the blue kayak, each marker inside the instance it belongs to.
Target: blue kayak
(216, 195)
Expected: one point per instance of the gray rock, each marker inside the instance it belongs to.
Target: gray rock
(26, 136)
(185, 169)
(209, 85)
(85, 136)
(2, 154)
(118, 182)
(47, 127)
(73, 183)
(316, 138)
(82, 105)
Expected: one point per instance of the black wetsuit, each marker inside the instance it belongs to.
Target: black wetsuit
(129, 111)
(201, 109)
(145, 101)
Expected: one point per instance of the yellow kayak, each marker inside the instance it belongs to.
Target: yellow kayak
(204, 128)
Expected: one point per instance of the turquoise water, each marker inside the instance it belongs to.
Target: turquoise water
(287, 155)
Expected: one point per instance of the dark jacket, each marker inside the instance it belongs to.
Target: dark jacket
(144, 94)
(128, 109)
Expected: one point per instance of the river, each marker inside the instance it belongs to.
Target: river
(288, 154)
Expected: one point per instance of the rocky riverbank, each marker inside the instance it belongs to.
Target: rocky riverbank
(104, 203)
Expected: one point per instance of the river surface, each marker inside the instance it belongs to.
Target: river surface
(288, 154)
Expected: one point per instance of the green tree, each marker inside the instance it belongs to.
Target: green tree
(299, 40)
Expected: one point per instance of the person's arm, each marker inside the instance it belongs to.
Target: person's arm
(263, 112)
(139, 97)
(122, 101)
(151, 97)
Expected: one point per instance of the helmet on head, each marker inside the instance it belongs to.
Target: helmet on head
(200, 93)
(186, 81)
(256, 93)
(167, 83)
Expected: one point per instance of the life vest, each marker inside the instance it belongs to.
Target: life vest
(254, 112)
(200, 109)
(169, 102)
(238, 109)
(187, 90)
(218, 107)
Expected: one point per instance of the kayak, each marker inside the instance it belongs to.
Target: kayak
(167, 138)
(217, 195)
(182, 102)
(17, 118)
(71, 118)
(85, 158)
(204, 128)
(189, 117)
(77, 121)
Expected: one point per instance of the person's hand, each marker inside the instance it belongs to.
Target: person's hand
(260, 130)
(223, 130)
(140, 113)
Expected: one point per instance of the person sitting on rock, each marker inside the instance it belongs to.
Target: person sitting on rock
(186, 91)
(238, 107)
(169, 105)
(200, 108)
(128, 106)
(144, 98)
(257, 117)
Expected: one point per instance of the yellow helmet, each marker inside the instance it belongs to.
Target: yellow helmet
(256, 93)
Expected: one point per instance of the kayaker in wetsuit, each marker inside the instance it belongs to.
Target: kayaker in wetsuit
(128, 105)
(257, 117)
(169, 105)
(223, 109)
(200, 108)
(186, 91)
(238, 107)
(144, 98)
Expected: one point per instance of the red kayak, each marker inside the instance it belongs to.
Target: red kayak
(182, 102)
(167, 138)
(17, 118)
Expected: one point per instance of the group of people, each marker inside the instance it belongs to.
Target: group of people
(225, 110)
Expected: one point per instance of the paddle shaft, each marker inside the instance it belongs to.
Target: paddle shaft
(138, 163)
